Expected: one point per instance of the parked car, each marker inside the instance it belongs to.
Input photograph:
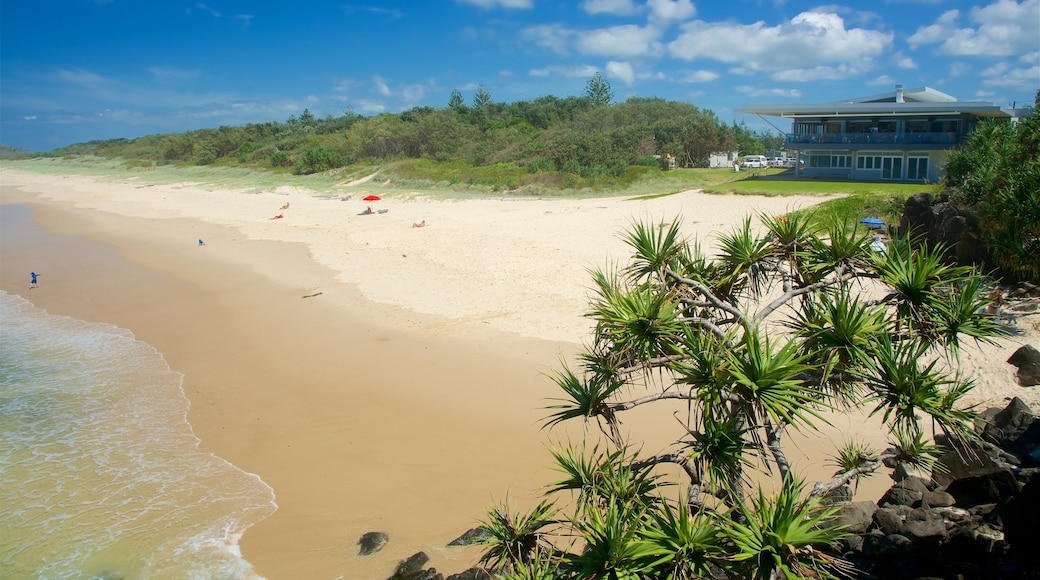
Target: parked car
(755, 161)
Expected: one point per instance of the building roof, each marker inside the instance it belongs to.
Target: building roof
(900, 102)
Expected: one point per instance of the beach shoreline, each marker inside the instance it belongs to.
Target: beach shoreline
(379, 377)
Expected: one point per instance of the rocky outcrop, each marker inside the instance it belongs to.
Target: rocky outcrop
(936, 221)
(976, 517)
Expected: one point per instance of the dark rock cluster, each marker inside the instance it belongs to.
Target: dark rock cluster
(977, 516)
(936, 221)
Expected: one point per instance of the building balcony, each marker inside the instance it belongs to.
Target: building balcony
(916, 140)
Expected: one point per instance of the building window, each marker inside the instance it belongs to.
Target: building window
(868, 161)
(826, 160)
(917, 168)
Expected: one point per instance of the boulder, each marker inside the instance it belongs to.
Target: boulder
(372, 542)
(412, 569)
(470, 537)
(1022, 521)
(471, 574)
(937, 499)
(856, 516)
(983, 488)
(1027, 360)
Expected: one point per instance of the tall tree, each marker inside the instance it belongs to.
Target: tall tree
(598, 90)
(455, 102)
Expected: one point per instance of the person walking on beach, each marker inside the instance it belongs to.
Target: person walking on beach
(33, 283)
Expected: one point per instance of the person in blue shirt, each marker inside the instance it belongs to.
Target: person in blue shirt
(33, 284)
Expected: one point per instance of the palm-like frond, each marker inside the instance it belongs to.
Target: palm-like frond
(902, 386)
(655, 246)
(852, 456)
(705, 368)
(599, 477)
(767, 380)
(586, 398)
(720, 450)
(511, 538)
(611, 543)
(775, 536)
(838, 329)
(843, 245)
(681, 545)
(963, 311)
(914, 450)
(743, 255)
(913, 274)
(638, 324)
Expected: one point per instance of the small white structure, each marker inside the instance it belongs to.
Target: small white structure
(723, 159)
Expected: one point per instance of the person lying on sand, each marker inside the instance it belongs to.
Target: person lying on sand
(278, 217)
(421, 224)
(368, 211)
(286, 206)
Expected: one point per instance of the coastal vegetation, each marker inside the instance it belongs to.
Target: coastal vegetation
(737, 351)
(997, 171)
(547, 143)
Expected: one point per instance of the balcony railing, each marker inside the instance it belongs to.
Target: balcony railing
(875, 139)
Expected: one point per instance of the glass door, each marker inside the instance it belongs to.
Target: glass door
(892, 168)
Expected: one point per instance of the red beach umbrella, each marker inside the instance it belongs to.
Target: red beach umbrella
(371, 198)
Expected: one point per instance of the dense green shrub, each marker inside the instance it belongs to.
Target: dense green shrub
(541, 165)
(281, 159)
(997, 170)
(316, 160)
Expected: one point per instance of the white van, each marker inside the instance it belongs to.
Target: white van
(755, 161)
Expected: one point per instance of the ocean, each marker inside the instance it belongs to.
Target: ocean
(100, 472)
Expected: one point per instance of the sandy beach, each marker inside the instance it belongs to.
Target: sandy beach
(378, 376)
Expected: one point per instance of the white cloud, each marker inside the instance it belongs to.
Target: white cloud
(81, 78)
(622, 41)
(903, 61)
(617, 7)
(369, 107)
(245, 19)
(1003, 28)
(808, 41)
(669, 10)
(958, 69)
(490, 4)
(882, 80)
(413, 93)
(29, 117)
(380, 85)
(553, 37)
(621, 71)
(816, 73)
(576, 71)
(759, 92)
(700, 76)
(1005, 75)
(204, 8)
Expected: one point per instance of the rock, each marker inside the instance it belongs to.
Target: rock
(856, 516)
(471, 537)
(924, 524)
(907, 491)
(1027, 359)
(936, 499)
(412, 569)
(372, 542)
(983, 488)
(892, 519)
(1022, 521)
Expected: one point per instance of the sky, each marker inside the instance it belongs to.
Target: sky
(77, 70)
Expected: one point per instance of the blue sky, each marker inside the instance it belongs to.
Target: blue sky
(76, 70)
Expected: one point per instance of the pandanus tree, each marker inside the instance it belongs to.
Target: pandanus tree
(786, 323)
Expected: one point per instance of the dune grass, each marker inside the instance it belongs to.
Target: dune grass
(409, 178)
